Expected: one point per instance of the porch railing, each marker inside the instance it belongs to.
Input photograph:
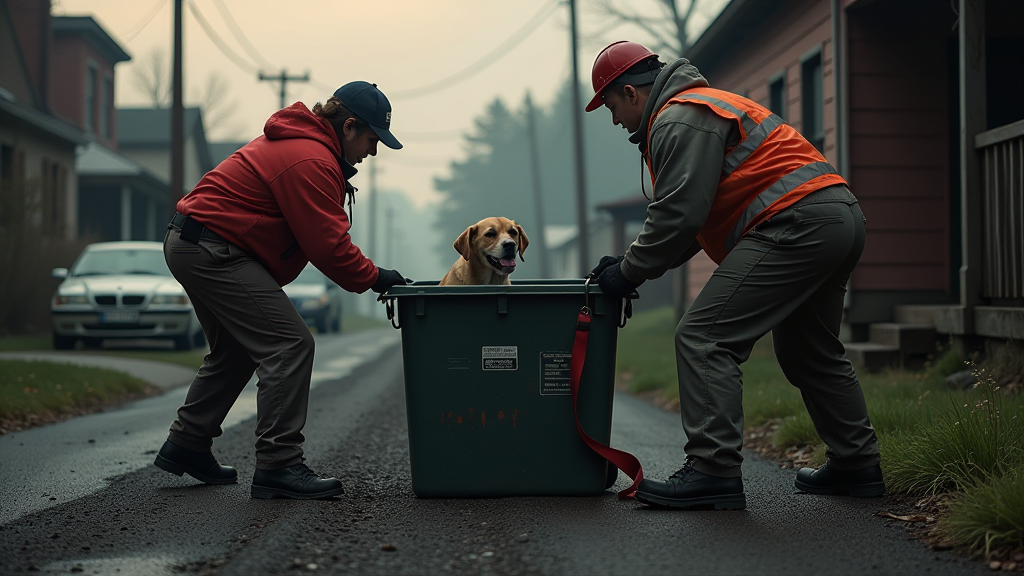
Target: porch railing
(1002, 151)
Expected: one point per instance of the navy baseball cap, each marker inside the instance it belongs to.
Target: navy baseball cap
(367, 102)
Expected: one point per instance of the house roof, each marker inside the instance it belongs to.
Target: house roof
(732, 25)
(45, 122)
(219, 151)
(93, 33)
(99, 164)
(152, 126)
(633, 207)
(98, 160)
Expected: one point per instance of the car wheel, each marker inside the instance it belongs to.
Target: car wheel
(336, 323)
(63, 342)
(183, 342)
(199, 340)
(92, 342)
(321, 324)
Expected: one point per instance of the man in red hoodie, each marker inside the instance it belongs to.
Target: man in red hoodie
(248, 228)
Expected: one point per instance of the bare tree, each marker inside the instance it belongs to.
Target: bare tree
(218, 109)
(664, 21)
(152, 77)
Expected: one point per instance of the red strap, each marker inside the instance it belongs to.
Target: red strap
(622, 460)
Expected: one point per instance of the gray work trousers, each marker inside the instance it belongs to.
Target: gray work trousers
(252, 327)
(788, 275)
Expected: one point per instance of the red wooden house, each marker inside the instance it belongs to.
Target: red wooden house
(920, 104)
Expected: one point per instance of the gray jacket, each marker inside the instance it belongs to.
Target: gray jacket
(688, 145)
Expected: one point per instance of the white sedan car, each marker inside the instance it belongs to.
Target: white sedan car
(122, 290)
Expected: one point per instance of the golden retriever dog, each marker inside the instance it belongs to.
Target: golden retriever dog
(488, 250)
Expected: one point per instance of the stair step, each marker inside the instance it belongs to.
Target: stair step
(909, 339)
(873, 357)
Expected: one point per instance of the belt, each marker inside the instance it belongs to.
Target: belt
(178, 220)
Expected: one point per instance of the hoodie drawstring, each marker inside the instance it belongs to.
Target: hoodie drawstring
(642, 185)
(350, 191)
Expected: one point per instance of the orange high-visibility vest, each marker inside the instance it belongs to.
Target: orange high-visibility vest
(770, 168)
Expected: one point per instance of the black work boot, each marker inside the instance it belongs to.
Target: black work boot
(863, 483)
(298, 482)
(200, 465)
(688, 488)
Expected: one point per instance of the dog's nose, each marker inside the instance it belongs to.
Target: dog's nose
(509, 245)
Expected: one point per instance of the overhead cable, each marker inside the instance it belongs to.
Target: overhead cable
(240, 36)
(483, 63)
(142, 24)
(237, 60)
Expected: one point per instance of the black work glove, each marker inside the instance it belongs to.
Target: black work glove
(605, 262)
(613, 283)
(386, 279)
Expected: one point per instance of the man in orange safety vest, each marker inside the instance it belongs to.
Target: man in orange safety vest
(733, 179)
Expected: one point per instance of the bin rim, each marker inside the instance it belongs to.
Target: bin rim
(525, 286)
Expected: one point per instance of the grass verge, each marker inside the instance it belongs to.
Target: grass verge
(34, 392)
(966, 447)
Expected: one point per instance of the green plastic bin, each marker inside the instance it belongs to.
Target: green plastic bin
(487, 388)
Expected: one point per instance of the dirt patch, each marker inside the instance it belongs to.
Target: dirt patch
(90, 406)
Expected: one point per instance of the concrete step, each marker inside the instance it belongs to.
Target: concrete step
(873, 357)
(909, 339)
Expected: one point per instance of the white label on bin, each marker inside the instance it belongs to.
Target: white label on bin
(501, 357)
(554, 373)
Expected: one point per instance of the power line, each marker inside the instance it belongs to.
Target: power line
(142, 24)
(490, 58)
(240, 36)
(237, 60)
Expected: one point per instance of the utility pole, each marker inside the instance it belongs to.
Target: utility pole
(177, 116)
(284, 79)
(577, 121)
(372, 245)
(538, 196)
(389, 236)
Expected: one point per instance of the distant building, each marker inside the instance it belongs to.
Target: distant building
(37, 149)
(220, 151)
(145, 136)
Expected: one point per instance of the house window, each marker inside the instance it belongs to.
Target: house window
(777, 94)
(90, 98)
(812, 101)
(106, 104)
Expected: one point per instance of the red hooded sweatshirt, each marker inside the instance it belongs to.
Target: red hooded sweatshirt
(281, 199)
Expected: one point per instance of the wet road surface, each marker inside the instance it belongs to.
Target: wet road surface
(145, 521)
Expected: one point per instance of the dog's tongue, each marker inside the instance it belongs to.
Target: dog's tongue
(508, 263)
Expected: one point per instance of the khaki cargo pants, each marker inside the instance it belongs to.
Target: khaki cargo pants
(787, 276)
(252, 327)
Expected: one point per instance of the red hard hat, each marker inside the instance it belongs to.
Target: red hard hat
(615, 59)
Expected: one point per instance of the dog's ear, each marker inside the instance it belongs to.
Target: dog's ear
(464, 243)
(523, 242)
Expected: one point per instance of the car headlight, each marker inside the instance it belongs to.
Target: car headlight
(69, 299)
(163, 299)
(315, 302)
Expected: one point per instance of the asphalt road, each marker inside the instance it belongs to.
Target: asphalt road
(128, 517)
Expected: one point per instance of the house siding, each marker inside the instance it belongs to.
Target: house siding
(778, 46)
(72, 54)
(899, 146)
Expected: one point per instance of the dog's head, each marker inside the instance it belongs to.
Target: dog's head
(494, 242)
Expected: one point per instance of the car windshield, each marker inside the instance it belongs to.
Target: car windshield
(126, 261)
(310, 275)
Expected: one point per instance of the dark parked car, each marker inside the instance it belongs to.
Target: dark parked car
(317, 299)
